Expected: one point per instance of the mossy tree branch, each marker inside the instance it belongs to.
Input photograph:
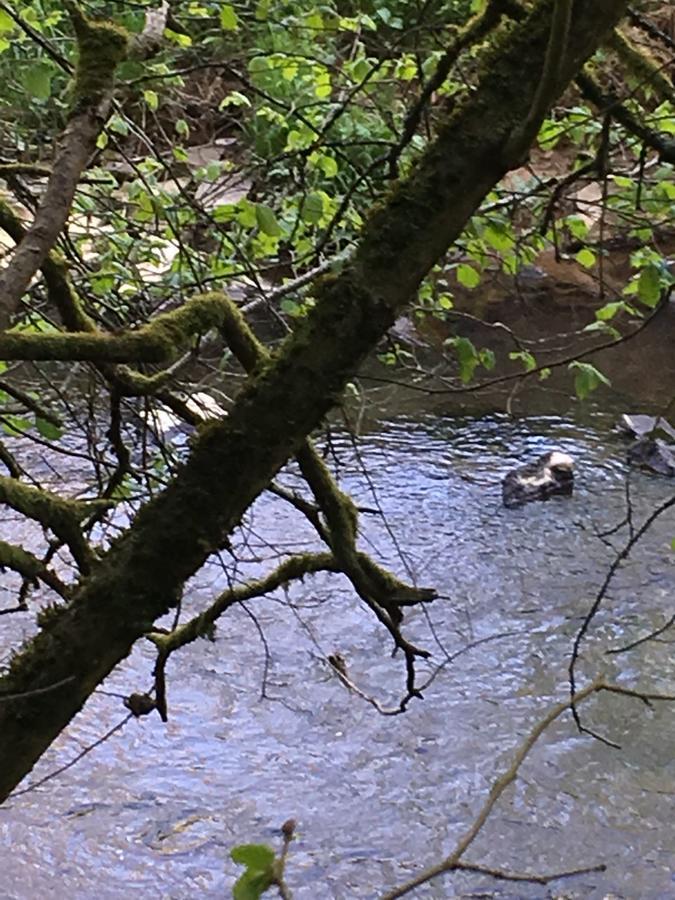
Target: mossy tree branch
(102, 46)
(61, 516)
(381, 591)
(201, 625)
(608, 102)
(475, 30)
(234, 459)
(161, 340)
(642, 66)
(548, 87)
(30, 567)
(60, 291)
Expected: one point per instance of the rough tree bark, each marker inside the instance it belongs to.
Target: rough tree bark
(141, 576)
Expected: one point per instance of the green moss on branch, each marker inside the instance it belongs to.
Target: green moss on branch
(60, 291)
(102, 46)
(642, 66)
(159, 341)
(200, 626)
(60, 515)
(29, 567)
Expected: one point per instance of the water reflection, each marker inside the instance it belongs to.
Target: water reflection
(157, 808)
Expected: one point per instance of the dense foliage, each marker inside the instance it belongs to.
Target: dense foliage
(252, 143)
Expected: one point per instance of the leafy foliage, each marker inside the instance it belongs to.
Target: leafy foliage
(259, 875)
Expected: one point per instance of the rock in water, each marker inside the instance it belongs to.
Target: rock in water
(551, 474)
(653, 454)
(642, 426)
(650, 451)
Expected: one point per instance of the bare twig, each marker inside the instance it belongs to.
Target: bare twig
(88, 749)
(599, 597)
(647, 637)
(454, 861)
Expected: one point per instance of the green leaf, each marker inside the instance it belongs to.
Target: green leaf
(229, 21)
(603, 328)
(48, 430)
(224, 212)
(406, 68)
(6, 22)
(487, 359)
(256, 856)
(13, 425)
(252, 885)
(289, 71)
(259, 874)
(577, 227)
(312, 208)
(328, 165)
(649, 286)
(528, 361)
(37, 80)
(267, 220)
(467, 357)
(609, 310)
(322, 86)
(246, 213)
(290, 307)
(587, 378)
(467, 276)
(499, 236)
(314, 21)
(118, 125)
(152, 99)
(178, 37)
(214, 169)
(549, 134)
(586, 258)
(234, 98)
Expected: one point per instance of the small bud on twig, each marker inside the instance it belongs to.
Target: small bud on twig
(288, 829)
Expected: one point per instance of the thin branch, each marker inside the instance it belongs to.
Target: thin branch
(474, 31)
(608, 102)
(506, 379)
(648, 637)
(4, 696)
(201, 625)
(622, 555)
(56, 772)
(454, 861)
(92, 96)
(502, 875)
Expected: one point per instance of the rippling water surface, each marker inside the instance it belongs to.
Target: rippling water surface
(155, 810)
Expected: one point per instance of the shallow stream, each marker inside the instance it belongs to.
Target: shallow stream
(154, 811)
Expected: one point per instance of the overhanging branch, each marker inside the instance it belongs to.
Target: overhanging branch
(102, 46)
(235, 459)
(162, 340)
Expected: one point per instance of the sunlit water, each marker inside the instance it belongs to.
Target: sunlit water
(155, 810)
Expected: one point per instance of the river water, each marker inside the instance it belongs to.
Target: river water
(155, 810)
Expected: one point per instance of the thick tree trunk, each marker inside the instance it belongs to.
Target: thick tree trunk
(142, 575)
